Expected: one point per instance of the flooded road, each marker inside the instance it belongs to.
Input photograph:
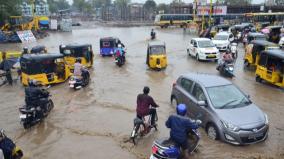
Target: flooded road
(96, 122)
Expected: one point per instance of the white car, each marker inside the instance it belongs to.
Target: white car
(203, 49)
(222, 40)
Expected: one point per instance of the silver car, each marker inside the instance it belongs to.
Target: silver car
(225, 111)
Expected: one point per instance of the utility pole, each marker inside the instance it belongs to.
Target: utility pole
(211, 11)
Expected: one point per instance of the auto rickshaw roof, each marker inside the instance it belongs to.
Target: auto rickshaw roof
(156, 43)
(38, 48)
(42, 57)
(223, 26)
(274, 27)
(109, 39)
(255, 34)
(278, 53)
(263, 43)
(74, 46)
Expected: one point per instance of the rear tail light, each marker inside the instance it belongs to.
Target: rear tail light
(154, 149)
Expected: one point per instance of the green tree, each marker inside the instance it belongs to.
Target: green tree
(163, 7)
(9, 8)
(55, 5)
(279, 2)
(150, 5)
(122, 7)
(100, 3)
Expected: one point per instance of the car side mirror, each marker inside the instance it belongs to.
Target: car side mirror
(202, 103)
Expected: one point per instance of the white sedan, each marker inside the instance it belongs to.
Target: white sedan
(203, 49)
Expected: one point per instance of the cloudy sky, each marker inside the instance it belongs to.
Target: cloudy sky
(169, 1)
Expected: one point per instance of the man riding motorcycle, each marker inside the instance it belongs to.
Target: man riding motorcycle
(144, 102)
(226, 58)
(180, 126)
(119, 52)
(35, 97)
(6, 145)
(153, 34)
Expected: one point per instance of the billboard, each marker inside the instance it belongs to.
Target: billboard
(217, 10)
(26, 36)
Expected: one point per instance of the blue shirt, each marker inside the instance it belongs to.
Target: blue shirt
(180, 126)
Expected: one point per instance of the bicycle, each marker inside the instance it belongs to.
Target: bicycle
(142, 127)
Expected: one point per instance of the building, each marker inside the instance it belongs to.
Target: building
(41, 8)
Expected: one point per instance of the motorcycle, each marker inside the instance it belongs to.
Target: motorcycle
(226, 69)
(17, 153)
(79, 82)
(142, 127)
(32, 114)
(233, 50)
(119, 60)
(165, 148)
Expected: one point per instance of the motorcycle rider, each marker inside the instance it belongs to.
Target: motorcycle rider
(180, 125)
(226, 58)
(153, 34)
(144, 102)
(78, 68)
(6, 145)
(35, 97)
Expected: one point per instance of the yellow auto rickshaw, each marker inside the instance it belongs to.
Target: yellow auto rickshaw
(156, 55)
(270, 67)
(45, 68)
(72, 52)
(11, 54)
(253, 50)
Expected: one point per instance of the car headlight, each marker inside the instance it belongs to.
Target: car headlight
(266, 119)
(230, 126)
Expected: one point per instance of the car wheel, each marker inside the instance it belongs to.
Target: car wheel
(174, 102)
(212, 132)
(197, 57)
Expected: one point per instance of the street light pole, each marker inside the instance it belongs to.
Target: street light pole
(211, 11)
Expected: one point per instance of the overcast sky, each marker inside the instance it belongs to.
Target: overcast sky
(169, 1)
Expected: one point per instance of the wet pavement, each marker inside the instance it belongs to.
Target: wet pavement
(96, 122)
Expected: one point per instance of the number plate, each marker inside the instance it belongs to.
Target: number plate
(255, 135)
(211, 55)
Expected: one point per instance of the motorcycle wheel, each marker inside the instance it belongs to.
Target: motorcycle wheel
(50, 105)
(135, 133)
(26, 125)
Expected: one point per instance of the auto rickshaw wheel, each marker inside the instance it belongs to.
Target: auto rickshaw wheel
(258, 79)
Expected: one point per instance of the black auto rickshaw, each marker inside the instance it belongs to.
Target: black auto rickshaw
(45, 68)
(73, 51)
(270, 67)
(38, 49)
(253, 50)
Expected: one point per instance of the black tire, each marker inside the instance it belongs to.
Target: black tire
(51, 105)
(212, 132)
(258, 79)
(26, 125)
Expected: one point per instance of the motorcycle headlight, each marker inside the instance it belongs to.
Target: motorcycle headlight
(266, 119)
(231, 68)
(230, 126)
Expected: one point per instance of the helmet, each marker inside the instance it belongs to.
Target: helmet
(146, 90)
(253, 30)
(78, 60)
(119, 46)
(181, 109)
(33, 82)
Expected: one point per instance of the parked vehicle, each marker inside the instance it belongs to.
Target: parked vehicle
(227, 69)
(225, 111)
(270, 67)
(222, 40)
(165, 148)
(203, 49)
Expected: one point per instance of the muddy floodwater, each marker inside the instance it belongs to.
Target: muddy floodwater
(96, 122)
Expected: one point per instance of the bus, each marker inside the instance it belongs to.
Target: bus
(165, 20)
(272, 18)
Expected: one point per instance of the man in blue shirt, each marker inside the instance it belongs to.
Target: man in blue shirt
(180, 125)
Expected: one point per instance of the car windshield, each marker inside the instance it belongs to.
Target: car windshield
(157, 50)
(227, 97)
(205, 44)
(221, 37)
